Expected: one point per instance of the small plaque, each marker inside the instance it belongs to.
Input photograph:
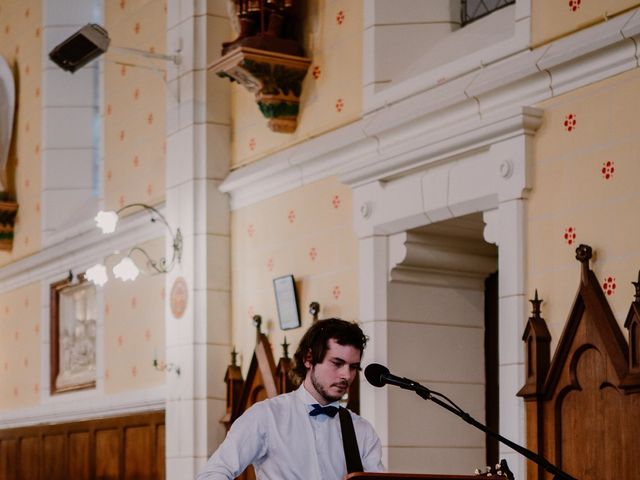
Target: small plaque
(179, 297)
(287, 302)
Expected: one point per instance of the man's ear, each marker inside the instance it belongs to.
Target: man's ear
(308, 363)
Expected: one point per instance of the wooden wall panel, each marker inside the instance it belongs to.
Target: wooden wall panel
(79, 456)
(8, 459)
(159, 459)
(118, 448)
(53, 456)
(29, 458)
(138, 453)
(108, 456)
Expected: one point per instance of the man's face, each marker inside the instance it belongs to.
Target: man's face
(329, 380)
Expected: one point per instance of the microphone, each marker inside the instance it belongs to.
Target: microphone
(379, 375)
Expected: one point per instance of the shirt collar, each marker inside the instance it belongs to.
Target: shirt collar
(308, 399)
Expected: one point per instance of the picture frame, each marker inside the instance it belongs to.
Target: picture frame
(287, 302)
(73, 319)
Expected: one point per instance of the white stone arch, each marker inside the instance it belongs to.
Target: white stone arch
(483, 170)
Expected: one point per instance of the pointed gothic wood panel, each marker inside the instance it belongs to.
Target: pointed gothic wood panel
(583, 414)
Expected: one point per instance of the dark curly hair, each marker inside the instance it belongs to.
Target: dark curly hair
(316, 340)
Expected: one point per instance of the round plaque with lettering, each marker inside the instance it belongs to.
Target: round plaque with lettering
(179, 297)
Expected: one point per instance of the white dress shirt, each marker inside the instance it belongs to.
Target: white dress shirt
(283, 442)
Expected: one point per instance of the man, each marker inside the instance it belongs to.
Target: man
(298, 435)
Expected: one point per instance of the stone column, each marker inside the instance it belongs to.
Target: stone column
(198, 149)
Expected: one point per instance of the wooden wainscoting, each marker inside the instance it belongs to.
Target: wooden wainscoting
(117, 448)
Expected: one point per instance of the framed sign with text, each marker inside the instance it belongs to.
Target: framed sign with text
(287, 302)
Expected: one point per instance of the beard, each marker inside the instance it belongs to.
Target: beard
(328, 397)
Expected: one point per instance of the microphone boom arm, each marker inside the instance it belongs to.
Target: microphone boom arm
(426, 394)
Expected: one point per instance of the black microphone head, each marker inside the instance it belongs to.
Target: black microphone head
(373, 373)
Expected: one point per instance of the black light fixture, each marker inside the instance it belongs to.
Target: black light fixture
(86, 44)
(89, 43)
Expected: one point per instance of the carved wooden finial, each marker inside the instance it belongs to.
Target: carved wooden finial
(314, 309)
(536, 305)
(584, 254)
(285, 348)
(637, 285)
(234, 357)
(257, 321)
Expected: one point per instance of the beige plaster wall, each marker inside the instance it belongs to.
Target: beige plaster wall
(134, 327)
(306, 232)
(331, 92)
(551, 19)
(21, 46)
(134, 104)
(585, 191)
(20, 343)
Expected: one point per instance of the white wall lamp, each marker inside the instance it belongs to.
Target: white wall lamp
(126, 269)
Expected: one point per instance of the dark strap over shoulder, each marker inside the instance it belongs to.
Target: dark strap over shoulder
(349, 442)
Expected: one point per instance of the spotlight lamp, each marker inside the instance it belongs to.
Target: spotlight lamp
(126, 269)
(89, 43)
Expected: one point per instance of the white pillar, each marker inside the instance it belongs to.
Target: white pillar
(198, 152)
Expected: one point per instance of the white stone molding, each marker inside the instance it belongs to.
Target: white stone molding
(85, 405)
(424, 124)
(443, 261)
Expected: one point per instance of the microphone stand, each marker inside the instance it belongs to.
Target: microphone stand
(426, 394)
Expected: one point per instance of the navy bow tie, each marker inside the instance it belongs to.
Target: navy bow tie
(329, 410)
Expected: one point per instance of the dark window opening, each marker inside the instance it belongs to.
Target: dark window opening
(472, 10)
(492, 389)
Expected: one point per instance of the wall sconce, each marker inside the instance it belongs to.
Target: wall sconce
(166, 367)
(160, 366)
(126, 269)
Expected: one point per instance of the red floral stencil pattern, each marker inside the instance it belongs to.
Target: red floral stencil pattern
(340, 17)
(313, 253)
(609, 285)
(251, 230)
(252, 144)
(574, 5)
(336, 292)
(335, 201)
(569, 235)
(270, 264)
(607, 170)
(316, 72)
(339, 105)
(291, 216)
(570, 122)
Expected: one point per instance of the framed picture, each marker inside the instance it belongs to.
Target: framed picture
(73, 335)
(287, 302)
